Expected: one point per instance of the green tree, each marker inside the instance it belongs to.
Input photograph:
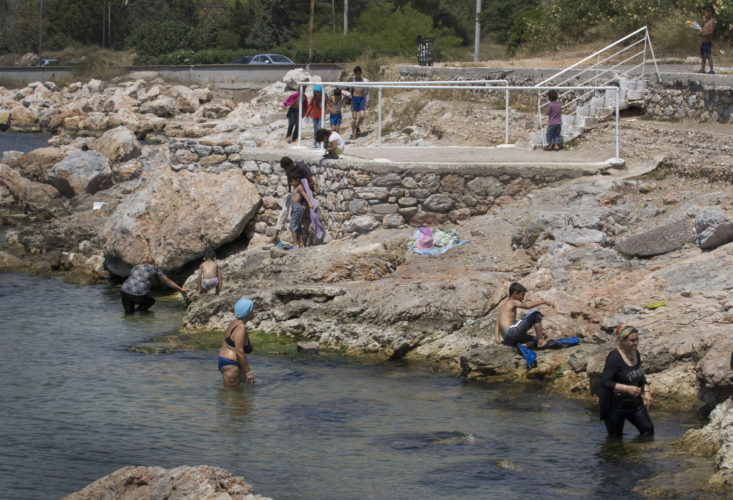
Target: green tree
(498, 16)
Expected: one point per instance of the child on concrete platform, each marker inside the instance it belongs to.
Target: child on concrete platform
(209, 273)
(706, 39)
(314, 110)
(554, 123)
(298, 201)
(334, 107)
(333, 142)
(511, 332)
(292, 103)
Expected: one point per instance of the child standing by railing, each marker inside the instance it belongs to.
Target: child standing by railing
(554, 123)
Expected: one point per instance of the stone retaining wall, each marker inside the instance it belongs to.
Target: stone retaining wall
(360, 196)
(689, 99)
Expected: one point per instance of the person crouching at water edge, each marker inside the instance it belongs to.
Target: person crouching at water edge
(625, 393)
(233, 363)
(136, 288)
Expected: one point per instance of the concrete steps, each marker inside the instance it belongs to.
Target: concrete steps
(595, 110)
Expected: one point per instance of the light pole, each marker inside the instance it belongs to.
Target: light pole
(346, 17)
(310, 31)
(477, 38)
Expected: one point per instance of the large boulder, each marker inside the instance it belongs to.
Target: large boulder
(296, 75)
(36, 164)
(118, 145)
(22, 118)
(712, 228)
(156, 482)
(24, 191)
(162, 106)
(186, 100)
(81, 172)
(659, 241)
(175, 217)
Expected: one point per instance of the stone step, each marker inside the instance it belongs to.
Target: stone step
(632, 83)
(593, 111)
(578, 121)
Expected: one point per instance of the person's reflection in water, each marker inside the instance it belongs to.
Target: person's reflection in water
(235, 407)
(620, 465)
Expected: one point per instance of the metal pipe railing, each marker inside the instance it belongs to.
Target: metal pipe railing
(439, 84)
(430, 85)
(595, 54)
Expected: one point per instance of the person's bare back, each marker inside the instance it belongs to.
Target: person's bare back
(209, 269)
(507, 316)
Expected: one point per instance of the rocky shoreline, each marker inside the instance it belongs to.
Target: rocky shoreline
(651, 246)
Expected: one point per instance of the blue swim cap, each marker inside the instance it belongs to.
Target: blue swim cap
(243, 308)
(317, 88)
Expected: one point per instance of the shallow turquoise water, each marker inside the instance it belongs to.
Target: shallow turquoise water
(77, 405)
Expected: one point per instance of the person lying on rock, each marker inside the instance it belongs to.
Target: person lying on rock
(233, 363)
(209, 273)
(511, 332)
(299, 171)
(136, 288)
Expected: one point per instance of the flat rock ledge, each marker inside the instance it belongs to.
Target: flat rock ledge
(200, 482)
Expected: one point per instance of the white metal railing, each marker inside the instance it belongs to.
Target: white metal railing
(607, 67)
(441, 84)
(453, 85)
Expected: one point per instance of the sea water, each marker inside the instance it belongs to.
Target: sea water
(77, 405)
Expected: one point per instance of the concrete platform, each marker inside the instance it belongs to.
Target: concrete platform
(452, 155)
(493, 161)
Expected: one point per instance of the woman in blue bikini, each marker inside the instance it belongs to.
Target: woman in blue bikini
(232, 358)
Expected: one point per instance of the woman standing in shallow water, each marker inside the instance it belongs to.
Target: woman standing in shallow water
(233, 363)
(625, 393)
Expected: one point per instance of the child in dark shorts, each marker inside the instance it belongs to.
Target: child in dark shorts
(298, 201)
(706, 39)
(508, 331)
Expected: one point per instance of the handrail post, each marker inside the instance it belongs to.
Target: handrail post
(618, 103)
(643, 58)
(506, 115)
(651, 49)
(539, 116)
(323, 113)
(379, 124)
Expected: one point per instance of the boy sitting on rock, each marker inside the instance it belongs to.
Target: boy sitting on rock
(511, 332)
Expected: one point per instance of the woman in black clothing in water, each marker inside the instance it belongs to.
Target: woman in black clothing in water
(625, 393)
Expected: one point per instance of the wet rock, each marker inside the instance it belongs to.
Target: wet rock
(308, 347)
(716, 438)
(81, 172)
(661, 240)
(712, 228)
(156, 482)
(10, 263)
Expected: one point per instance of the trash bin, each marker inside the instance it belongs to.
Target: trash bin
(425, 51)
